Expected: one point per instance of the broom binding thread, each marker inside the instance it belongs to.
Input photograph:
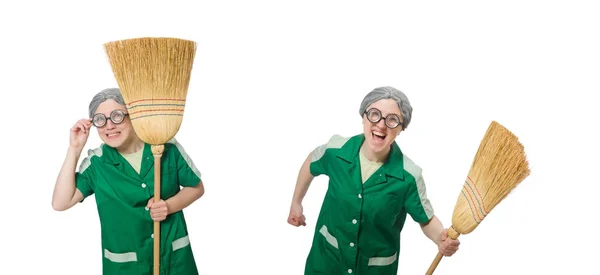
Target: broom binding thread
(475, 200)
(156, 107)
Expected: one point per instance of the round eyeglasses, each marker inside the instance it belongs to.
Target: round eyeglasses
(116, 117)
(391, 121)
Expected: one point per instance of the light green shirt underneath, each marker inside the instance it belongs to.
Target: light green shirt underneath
(134, 159)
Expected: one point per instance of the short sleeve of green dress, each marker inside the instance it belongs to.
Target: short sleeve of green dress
(320, 157)
(417, 203)
(85, 175)
(187, 173)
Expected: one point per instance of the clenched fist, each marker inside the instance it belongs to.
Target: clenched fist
(158, 210)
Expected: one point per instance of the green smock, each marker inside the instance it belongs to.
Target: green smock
(359, 225)
(121, 198)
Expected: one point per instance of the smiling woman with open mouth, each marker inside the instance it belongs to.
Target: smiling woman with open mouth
(373, 186)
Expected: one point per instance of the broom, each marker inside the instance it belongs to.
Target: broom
(499, 166)
(153, 75)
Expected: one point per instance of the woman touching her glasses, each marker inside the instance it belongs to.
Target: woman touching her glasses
(372, 188)
(120, 174)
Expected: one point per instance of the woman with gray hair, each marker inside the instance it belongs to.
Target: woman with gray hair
(120, 174)
(372, 188)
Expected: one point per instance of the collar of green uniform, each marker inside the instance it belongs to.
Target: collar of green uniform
(112, 156)
(394, 166)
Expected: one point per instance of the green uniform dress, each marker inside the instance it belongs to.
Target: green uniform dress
(359, 225)
(122, 195)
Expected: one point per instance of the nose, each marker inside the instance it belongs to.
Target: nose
(110, 125)
(381, 124)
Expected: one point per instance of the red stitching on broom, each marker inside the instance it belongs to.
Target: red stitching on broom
(475, 187)
(157, 99)
(471, 199)
(143, 111)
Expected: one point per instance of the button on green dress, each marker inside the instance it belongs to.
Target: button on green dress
(359, 225)
(121, 198)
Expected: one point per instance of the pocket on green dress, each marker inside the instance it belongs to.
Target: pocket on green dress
(119, 262)
(182, 257)
(325, 258)
(385, 262)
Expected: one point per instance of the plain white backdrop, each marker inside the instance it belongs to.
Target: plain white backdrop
(273, 80)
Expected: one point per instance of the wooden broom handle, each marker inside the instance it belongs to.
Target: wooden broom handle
(452, 234)
(434, 264)
(157, 151)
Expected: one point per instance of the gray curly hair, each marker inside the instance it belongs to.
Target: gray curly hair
(388, 92)
(110, 93)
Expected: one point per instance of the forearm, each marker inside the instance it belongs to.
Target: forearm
(303, 181)
(64, 189)
(433, 229)
(184, 198)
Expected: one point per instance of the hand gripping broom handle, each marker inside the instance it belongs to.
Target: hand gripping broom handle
(452, 234)
(157, 151)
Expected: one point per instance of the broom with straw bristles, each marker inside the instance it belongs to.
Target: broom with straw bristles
(153, 75)
(500, 164)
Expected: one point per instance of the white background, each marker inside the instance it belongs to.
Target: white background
(273, 80)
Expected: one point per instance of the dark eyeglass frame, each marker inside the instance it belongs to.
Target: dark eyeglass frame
(111, 118)
(385, 118)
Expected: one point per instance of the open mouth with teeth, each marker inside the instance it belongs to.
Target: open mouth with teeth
(113, 135)
(378, 136)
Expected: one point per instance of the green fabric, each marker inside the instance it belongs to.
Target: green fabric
(359, 225)
(121, 197)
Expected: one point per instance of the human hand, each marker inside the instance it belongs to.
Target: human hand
(447, 246)
(80, 133)
(296, 218)
(158, 210)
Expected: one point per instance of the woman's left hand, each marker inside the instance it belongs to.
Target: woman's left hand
(158, 210)
(447, 246)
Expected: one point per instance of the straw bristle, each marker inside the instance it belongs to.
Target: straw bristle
(153, 75)
(500, 164)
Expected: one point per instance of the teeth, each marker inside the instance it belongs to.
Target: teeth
(112, 135)
(378, 133)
